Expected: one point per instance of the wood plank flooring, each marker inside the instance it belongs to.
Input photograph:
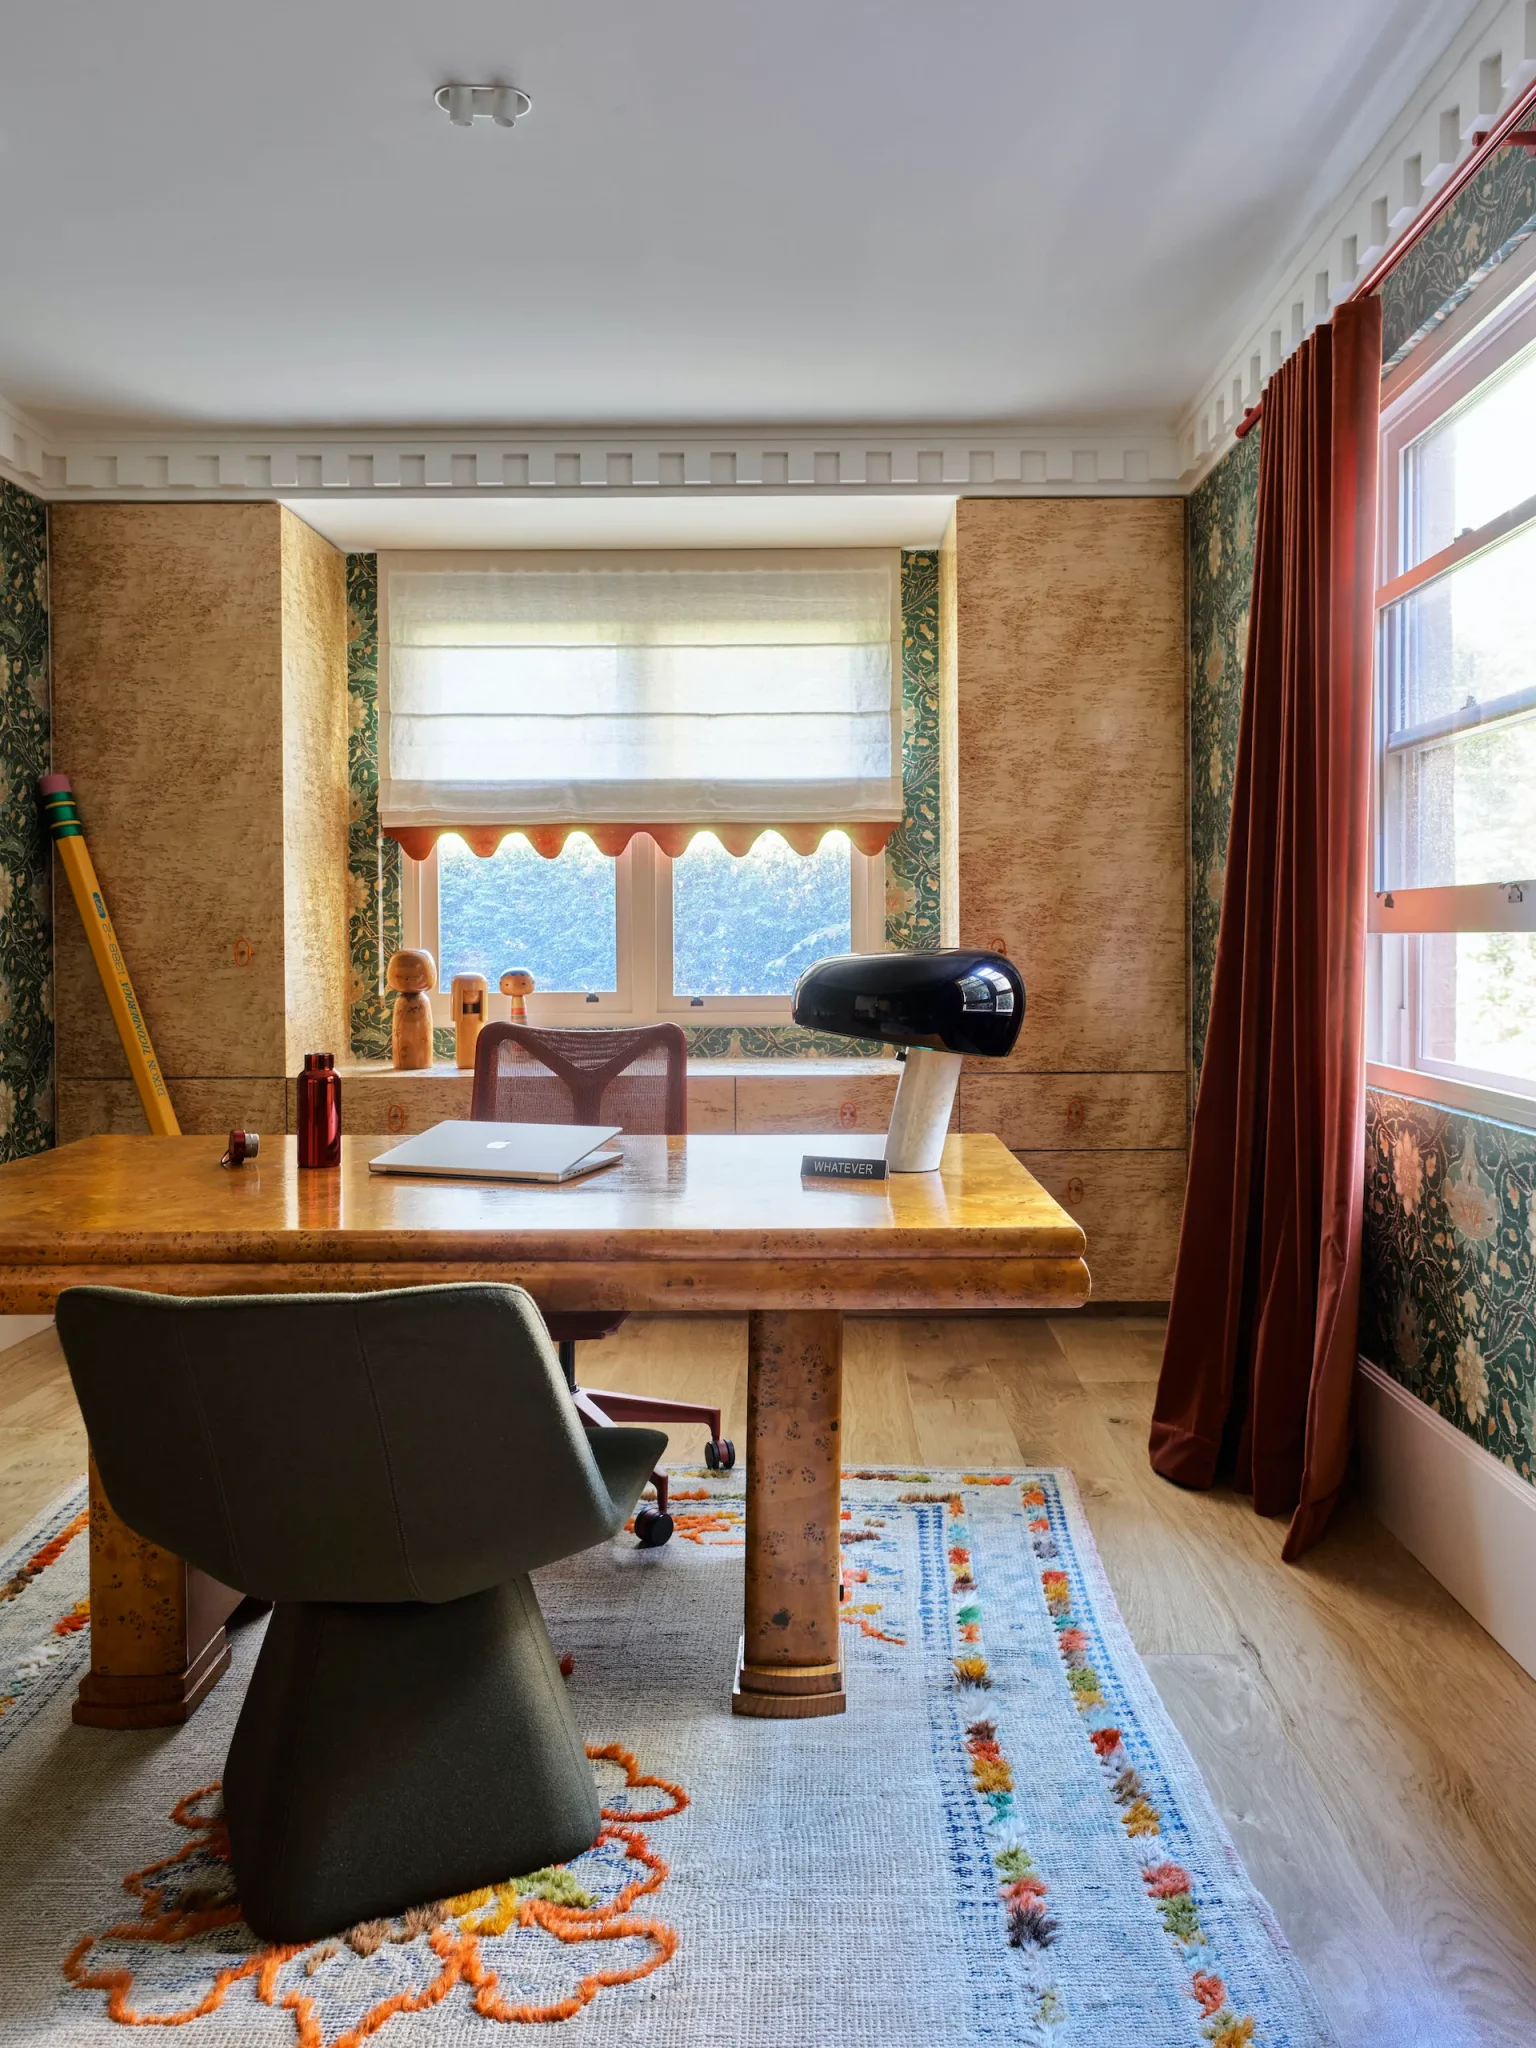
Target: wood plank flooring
(1367, 1743)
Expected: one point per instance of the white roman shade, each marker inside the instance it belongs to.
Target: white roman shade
(654, 693)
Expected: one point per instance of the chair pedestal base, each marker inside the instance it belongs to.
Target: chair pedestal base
(388, 1756)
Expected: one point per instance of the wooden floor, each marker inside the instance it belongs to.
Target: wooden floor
(1370, 1748)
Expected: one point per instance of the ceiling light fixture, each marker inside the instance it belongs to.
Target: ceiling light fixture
(466, 104)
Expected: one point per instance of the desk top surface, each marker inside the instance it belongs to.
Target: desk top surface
(707, 1197)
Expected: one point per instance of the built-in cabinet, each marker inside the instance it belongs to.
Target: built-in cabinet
(200, 706)
(1062, 645)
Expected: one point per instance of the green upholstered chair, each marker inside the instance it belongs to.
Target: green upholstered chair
(386, 1469)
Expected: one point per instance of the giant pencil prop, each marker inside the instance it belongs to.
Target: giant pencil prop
(63, 820)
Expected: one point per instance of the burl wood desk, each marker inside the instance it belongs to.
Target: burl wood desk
(702, 1223)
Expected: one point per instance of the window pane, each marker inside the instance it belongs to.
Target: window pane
(554, 917)
(751, 926)
(1477, 1002)
(1476, 463)
(1456, 792)
(1464, 638)
(1462, 811)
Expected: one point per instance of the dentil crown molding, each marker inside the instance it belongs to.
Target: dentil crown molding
(105, 463)
(1492, 60)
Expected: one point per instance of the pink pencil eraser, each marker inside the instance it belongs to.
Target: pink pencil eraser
(54, 785)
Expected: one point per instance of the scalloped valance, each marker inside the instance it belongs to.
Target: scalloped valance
(549, 840)
(664, 694)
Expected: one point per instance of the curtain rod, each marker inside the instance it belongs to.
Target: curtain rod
(1505, 133)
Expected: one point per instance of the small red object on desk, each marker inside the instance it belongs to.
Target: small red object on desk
(319, 1111)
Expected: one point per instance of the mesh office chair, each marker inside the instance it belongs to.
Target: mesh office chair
(387, 1469)
(635, 1078)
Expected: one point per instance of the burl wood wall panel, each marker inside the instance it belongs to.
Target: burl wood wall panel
(178, 633)
(1066, 668)
(315, 794)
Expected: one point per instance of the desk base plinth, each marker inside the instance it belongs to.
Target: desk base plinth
(157, 1628)
(787, 1692)
(158, 1700)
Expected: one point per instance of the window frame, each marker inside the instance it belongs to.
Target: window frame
(1400, 919)
(643, 947)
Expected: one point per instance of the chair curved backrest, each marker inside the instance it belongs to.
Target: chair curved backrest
(418, 1444)
(635, 1077)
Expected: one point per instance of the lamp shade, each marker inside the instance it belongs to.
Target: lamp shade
(958, 1000)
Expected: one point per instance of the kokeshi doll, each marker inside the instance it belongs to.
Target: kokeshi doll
(518, 984)
(412, 974)
(467, 1002)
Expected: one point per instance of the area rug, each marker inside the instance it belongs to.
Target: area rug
(1003, 1841)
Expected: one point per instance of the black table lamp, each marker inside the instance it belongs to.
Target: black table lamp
(941, 1006)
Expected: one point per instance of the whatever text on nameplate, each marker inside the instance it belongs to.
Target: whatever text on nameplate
(814, 1167)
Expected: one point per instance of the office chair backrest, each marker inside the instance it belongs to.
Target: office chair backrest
(635, 1078)
(409, 1445)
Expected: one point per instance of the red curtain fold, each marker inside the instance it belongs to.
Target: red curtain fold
(1258, 1366)
(419, 840)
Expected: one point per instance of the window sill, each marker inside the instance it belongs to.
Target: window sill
(1467, 1097)
(786, 1066)
(723, 1095)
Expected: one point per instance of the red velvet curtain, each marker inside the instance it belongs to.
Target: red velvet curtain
(1258, 1367)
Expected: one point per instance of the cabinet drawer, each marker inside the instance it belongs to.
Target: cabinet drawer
(1129, 1205)
(1076, 1112)
(814, 1102)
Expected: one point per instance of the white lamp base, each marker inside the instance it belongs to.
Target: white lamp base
(925, 1095)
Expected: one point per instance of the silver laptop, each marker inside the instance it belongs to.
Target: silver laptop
(470, 1151)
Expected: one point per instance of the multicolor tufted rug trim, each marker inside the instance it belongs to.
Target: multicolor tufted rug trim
(1004, 1840)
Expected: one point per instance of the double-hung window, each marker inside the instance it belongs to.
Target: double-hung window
(662, 784)
(1454, 910)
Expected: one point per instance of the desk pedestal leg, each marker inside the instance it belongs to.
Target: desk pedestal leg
(157, 1629)
(791, 1659)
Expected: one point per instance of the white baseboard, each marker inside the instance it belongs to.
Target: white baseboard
(1465, 1517)
(16, 1329)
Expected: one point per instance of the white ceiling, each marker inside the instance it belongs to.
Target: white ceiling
(794, 211)
(620, 522)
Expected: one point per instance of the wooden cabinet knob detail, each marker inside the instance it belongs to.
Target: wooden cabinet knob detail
(1074, 1189)
(848, 1115)
(1076, 1112)
(395, 1118)
(998, 946)
(244, 952)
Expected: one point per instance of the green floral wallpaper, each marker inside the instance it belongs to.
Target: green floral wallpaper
(911, 862)
(1222, 517)
(912, 858)
(1449, 1303)
(1484, 225)
(26, 922)
(373, 863)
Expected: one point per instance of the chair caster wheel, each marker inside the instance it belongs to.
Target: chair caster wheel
(720, 1454)
(652, 1529)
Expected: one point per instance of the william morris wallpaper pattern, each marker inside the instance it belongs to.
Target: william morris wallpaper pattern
(1449, 1308)
(1220, 539)
(912, 859)
(1448, 1304)
(26, 921)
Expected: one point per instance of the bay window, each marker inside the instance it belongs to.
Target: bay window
(1454, 913)
(662, 784)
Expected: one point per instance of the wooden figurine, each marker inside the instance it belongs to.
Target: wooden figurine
(518, 984)
(467, 1003)
(411, 973)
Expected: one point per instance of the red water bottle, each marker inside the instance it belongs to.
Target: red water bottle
(319, 1111)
